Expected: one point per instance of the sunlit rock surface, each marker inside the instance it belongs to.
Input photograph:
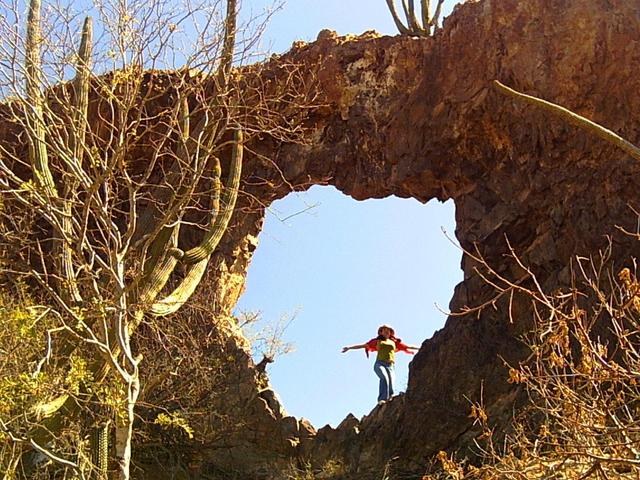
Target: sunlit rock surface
(419, 118)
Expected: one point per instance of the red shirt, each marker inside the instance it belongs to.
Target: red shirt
(372, 346)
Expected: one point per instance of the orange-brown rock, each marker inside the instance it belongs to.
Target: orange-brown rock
(419, 118)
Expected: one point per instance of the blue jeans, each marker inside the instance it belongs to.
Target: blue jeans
(384, 371)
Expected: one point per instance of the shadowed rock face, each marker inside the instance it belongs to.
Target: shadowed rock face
(418, 118)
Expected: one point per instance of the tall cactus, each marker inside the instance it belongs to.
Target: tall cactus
(143, 295)
(80, 108)
(39, 160)
(81, 91)
(38, 155)
(165, 256)
(419, 26)
(226, 59)
(198, 257)
(221, 221)
(38, 149)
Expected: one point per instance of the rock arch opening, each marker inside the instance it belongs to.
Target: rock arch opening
(420, 119)
(342, 267)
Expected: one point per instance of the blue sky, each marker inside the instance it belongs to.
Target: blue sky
(344, 267)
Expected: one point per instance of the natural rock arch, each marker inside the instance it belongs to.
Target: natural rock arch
(419, 118)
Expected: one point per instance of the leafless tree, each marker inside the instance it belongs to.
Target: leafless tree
(106, 180)
(581, 377)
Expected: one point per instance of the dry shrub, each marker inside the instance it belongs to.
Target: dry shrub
(582, 379)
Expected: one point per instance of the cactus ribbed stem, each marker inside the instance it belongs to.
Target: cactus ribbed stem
(436, 15)
(426, 19)
(100, 451)
(158, 248)
(213, 236)
(38, 154)
(172, 302)
(219, 221)
(417, 25)
(396, 18)
(161, 265)
(77, 138)
(185, 129)
(81, 90)
(226, 60)
(217, 188)
(412, 20)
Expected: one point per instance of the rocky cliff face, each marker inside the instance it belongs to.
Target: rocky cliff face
(419, 118)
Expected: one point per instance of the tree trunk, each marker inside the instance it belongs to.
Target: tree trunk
(124, 429)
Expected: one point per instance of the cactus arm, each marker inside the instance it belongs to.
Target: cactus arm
(185, 128)
(52, 417)
(47, 409)
(38, 155)
(218, 127)
(187, 286)
(396, 19)
(436, 15)
(574, 119)
(405, 9)
(81, 90)
(158, 248)
(53, 414)
(226, 60)
(161, 267)
(78, 133)
(229, 197)
(414, 24)
(172, 302)
(426, 16)
(162, 259)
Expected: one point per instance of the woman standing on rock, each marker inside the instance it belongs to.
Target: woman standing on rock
(386, 344)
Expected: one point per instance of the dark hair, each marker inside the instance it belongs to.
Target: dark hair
(389, 327)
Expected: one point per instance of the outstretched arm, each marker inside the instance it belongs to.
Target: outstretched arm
(354, 347)
(402, 347)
